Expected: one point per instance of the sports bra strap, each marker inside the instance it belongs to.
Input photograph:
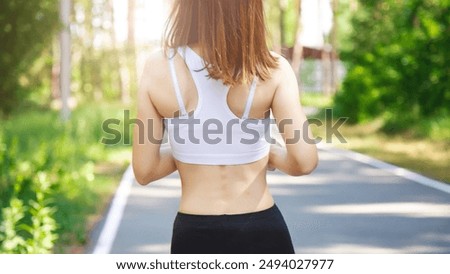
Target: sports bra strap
(182, 52)
(251, 95)
(176, 84)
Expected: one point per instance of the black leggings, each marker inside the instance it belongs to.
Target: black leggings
(263, 232)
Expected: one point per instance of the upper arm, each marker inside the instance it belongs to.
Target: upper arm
(148, 129)
(286, 106)
(147, 112)
(291, 119)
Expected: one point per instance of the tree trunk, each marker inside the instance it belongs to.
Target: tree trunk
(131, 23)
(117, 60)
(326, 69)
(282, 6)
(298, 48)
(272, 8)
(55, 92)
(65, 69)
(334, 44)
(131, 77)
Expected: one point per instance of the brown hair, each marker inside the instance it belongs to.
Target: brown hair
(231, 35)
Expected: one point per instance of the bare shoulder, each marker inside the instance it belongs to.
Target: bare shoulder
(284, 65)
(156, 69)
(283, 70)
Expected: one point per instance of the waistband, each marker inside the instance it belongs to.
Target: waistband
(266, 213)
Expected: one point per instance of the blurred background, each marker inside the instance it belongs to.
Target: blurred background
(67, 66)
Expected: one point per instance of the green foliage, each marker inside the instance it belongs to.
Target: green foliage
(26, 29)
(316, 100)
(48, 183)
(98, 57)
(97, 74)
(360, 101)
(11, 241)
(28, 224)
(282, 24)
(43, 225)
(398, 62)
(344, 12)
(291, 22)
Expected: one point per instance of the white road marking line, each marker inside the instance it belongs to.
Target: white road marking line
(398, 171)
(114, 217)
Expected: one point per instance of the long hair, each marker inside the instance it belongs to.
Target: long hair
(231, 35)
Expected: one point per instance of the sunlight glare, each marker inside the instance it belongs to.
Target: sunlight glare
(150, 20)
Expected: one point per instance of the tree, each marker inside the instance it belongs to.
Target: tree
(283, 22)
(97, 62)
(115, 51)
(298, 49)
(131, 53)
(398, 61)
(26, 29)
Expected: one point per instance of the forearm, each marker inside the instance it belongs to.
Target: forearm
(149, 168)
(299, 157)
(280, 159)
(166, 164)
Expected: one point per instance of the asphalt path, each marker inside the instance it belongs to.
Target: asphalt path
(348, 205)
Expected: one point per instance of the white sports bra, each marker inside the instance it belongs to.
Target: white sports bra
(212, 134)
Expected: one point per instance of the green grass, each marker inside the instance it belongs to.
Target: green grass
(423, 155)
(83, 171)
(315, 99)
(423, 147)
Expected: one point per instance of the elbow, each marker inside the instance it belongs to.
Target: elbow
(302, 170)
(143, 177)
(305, 168)
(142, 180)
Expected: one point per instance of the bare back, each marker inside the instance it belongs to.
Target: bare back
(221, 189)
(218, 189)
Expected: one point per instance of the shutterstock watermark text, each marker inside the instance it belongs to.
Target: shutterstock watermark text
(213, 131)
